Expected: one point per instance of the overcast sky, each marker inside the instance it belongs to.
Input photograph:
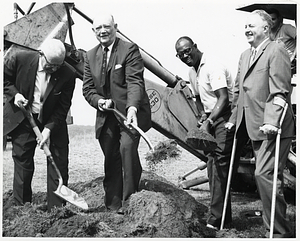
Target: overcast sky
(155, 25)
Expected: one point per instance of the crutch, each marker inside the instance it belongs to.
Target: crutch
(276, 164)
(228, 181)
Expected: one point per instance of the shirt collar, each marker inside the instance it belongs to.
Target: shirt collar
(110, 46)
(40, 65)
(259, 46)
(203, 60)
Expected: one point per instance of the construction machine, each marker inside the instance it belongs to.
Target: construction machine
(173, 108)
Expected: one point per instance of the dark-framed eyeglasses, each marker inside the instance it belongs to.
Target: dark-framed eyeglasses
(50, 64)
(187, 52)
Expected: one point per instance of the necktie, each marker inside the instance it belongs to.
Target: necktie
(104, 66)
(43, 85)
(253, 53)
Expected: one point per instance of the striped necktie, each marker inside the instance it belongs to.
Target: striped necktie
(104, 66)
(252, 57)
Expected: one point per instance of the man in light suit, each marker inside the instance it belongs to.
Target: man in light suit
(113, 78)
(42, 82)
(262, 88)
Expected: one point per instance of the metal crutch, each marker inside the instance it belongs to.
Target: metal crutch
(276, 164)
(228, 181)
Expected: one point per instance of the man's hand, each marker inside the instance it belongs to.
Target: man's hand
(206, 126)
(46, 138)
(131, 117)
(269, 129)
(203, 118)
(20, 98)
(104, 103)
(229, 125)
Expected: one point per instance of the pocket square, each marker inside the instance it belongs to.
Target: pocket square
(118, 66)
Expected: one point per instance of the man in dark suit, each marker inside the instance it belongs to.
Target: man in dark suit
(44, 84)
(113, 78)
(262, 88)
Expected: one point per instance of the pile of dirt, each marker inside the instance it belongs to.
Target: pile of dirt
(159, 209)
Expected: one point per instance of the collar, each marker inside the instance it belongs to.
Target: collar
(40, 64)
(259, 46)
(110, 46)
(203, 59)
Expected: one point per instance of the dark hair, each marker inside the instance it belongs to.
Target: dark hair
(185, 38)
(275, 11)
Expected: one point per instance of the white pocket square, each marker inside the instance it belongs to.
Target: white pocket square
(118, 66)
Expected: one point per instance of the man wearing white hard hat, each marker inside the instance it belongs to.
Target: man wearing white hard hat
(44, 84)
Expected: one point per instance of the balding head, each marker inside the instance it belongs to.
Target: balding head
(105, 29)
(54, 51)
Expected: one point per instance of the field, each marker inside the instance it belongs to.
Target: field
(86, 171)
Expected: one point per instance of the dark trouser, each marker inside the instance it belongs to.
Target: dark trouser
(218, 168)
(122, 164)
(23, 149)
(265, 157)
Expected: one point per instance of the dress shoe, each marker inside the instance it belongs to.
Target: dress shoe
(211, 227)
(121, 211)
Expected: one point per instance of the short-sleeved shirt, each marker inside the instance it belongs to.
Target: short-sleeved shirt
(210, 77)
(287, 35)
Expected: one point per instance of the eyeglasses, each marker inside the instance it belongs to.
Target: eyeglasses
(187, 51)
(50, 64)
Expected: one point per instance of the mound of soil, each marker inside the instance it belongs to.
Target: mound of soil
(159, 209)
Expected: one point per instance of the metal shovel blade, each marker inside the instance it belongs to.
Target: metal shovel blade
(71, 197)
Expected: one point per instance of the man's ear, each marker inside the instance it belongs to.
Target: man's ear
(266, 28)
(195, 45)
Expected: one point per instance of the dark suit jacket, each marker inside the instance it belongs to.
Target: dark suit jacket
(256, 88)
(127, 87)
(19, 77)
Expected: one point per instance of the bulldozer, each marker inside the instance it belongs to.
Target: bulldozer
(54, 21)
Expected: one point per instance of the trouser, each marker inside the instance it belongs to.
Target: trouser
(265, 157)
(218, 168)
(122, 165)
(23, 149)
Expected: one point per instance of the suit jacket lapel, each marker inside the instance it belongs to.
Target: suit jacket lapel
(113, 55)
(260, 52)
(31, 74)
(257, 56)
(52, 82)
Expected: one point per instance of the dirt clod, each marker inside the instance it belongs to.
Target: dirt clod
(162, 151)
(201, 140)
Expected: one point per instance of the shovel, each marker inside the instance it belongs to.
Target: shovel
(61, 191)
(143, 134)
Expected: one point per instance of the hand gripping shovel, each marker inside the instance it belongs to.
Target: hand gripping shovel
(143, 134)
(61, 191)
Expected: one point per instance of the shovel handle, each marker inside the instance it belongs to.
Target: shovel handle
(139, 130)
(39, 135)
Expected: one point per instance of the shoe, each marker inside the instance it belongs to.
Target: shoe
(252, 214)
(121, 211)
(211, 227)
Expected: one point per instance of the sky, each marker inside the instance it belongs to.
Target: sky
(155, 25)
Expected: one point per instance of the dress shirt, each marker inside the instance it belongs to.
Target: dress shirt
(41, 79)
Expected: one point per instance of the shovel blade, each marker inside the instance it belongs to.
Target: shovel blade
(71, 197)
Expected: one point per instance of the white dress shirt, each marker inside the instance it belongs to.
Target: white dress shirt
(41, 82)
